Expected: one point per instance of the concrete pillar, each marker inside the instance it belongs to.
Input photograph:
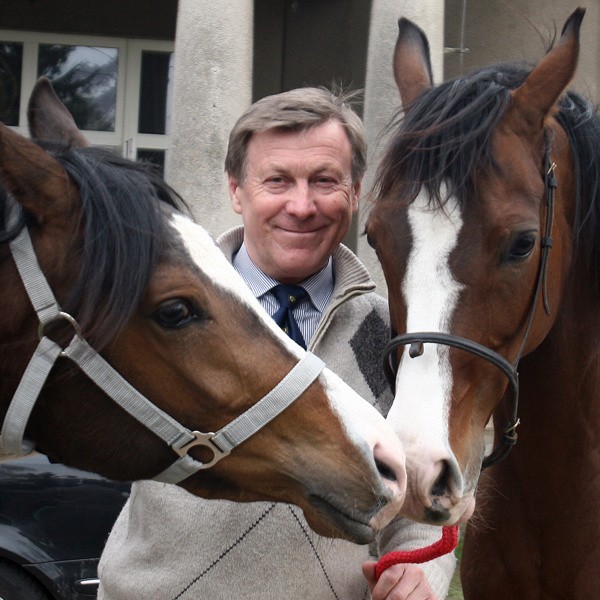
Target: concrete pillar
(381, 94)
(212, 87)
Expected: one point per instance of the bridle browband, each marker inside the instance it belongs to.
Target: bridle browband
(417, 339)
(179, 438)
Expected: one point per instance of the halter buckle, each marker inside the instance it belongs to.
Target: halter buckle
(206, 441)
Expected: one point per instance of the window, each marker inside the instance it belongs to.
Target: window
(85, 79)
(118, 90)
(11, 61)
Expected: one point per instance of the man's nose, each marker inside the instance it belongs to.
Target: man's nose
(301, 202)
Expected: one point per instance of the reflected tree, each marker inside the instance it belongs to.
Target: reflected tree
(88, 90)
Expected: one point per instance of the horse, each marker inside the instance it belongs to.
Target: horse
(129, 346)
(485, 216)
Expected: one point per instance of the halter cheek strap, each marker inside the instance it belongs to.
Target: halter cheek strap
(175, 435)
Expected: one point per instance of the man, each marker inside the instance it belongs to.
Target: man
(295, 164)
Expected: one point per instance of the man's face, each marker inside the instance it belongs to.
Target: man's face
(297, 199)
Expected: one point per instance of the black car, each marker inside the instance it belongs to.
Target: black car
(54, 522)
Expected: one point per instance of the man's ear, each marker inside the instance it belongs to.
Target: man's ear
(234, 192)
(356, 188)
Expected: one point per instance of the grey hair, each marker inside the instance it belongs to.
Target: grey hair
(296, 110)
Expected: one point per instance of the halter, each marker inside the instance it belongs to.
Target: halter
(417, 339)
(176, 436)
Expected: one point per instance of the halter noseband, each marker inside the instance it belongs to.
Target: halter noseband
(417, 339)
(176, 436)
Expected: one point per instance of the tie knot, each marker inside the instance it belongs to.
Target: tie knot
(289, 295)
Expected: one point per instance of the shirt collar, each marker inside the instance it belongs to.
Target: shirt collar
(318, 286)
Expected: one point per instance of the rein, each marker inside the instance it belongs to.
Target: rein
(416, 340)
(179, 438)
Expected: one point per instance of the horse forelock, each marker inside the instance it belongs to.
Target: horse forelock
(124, 231)
(446, 136)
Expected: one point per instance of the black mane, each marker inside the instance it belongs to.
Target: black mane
(123, 219)
(446, 137)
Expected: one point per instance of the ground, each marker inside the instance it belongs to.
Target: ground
(455, 591)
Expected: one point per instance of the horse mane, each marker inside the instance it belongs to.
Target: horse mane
(446, 137)
(124, 231)
(581, 121)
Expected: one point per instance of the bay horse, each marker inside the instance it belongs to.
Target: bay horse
(141, 340)
(486, 220)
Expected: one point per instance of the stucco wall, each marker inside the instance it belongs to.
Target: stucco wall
(500, 31)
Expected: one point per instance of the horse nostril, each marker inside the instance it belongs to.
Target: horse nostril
(441, 486)
(385, 471)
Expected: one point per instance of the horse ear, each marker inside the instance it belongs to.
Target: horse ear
(49, 118)
(35, 179)
(412, 63)
(537, 96)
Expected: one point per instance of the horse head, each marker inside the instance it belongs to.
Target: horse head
(159, 320)
(475, 242)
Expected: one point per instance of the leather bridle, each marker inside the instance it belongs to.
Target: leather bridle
(417, 339)
(179, 438)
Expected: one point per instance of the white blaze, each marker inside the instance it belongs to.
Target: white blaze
(424, 384)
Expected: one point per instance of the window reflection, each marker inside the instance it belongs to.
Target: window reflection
(11, 61)
(85, 79)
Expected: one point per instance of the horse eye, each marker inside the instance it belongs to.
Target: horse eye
(174, 314)
(521, 247)
(370, 241)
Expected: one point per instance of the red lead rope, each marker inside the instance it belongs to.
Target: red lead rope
(448, 542)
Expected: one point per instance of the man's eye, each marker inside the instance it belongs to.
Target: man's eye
(325, 183)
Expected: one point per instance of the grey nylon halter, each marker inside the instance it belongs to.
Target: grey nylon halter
(176, 436)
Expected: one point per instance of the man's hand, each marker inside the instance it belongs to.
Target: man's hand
(399, 582)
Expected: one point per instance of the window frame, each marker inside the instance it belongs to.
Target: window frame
(125, 137)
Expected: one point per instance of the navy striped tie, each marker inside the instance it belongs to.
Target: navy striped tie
(289, 296)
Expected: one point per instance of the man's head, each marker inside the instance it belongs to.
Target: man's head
(296, 110)
(295, 164)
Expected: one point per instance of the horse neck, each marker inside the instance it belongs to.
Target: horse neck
(560, 383)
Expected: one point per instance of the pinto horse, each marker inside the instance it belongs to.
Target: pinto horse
(139, 338)
(486, 220)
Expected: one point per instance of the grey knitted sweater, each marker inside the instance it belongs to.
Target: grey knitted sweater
(168, 544)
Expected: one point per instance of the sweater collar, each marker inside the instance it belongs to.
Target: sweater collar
(350, 274)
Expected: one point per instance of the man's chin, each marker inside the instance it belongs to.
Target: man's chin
(298, 262)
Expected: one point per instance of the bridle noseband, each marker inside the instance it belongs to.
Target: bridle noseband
(179, 438)
(417, 339)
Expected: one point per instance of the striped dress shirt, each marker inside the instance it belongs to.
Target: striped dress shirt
(309, 311)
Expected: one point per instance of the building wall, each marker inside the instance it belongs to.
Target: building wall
(154, 19)
(501, 30)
